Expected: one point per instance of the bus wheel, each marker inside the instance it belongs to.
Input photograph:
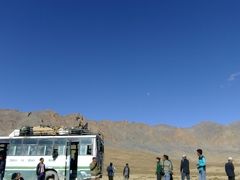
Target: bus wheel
(51, 175)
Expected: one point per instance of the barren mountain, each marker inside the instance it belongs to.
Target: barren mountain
(125, 139)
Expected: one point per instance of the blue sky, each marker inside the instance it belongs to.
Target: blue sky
(158, 62)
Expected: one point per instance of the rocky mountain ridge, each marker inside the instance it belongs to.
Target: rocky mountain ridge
(216, 140)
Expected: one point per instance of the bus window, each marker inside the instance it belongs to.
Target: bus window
(59, 146)
(48, 151)
(45, 147)
(33, 150)
(48, 148)
(86, 146)
(18, 151)
(29, 147)
(11, 150)
(40, 150)
(15, 147)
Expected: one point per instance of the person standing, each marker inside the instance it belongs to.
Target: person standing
(110, 171)
(41, 170)
(95, 169)
(2, 166)
(167, 168)
(229, 169)
(201, 166)
(159, 169)
(184, 168)
(126, 172)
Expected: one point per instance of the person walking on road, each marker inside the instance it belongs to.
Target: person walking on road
(229, 169)
(184, 168)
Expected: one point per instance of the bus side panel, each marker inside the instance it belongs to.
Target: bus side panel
(83, 166)
(26, 165)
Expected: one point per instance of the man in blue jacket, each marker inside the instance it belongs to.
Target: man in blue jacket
(201, 166)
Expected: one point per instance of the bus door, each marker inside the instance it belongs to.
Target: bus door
(72, 160)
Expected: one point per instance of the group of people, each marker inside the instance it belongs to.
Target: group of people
(111, 170)
(164, 168)
(96, 170)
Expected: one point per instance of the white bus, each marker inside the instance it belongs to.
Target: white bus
(66, 156)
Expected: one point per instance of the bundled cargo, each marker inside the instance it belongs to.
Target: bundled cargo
(26, 131)
(44, 130)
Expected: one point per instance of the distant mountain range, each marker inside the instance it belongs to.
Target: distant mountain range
(217, 141)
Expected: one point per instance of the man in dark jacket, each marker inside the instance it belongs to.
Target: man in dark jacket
(110, 171)
(40, 170)
(159, 169)
(229, 169)
(184, 168)
(126, 172)
(2, 166)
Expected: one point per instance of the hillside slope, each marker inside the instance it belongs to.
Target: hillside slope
(216, 140)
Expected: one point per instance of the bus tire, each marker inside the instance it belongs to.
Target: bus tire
(51, 175)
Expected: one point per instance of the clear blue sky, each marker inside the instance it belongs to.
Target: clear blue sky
(172, 62)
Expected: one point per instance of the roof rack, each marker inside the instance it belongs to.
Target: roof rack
(51, 131)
